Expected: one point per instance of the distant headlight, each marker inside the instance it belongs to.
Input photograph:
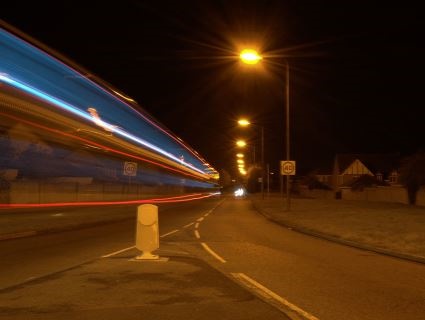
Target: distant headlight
(239, 192)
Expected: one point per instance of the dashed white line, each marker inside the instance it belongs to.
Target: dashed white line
(117, 252)
(211, 252)
(188, 225)
(207, 214)
(200, 219)
(267, 293)
(197, 235)
(197, 225)
(171, 232)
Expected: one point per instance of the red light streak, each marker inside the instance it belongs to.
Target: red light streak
(184, 198)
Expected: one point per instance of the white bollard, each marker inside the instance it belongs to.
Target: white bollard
(147, 232)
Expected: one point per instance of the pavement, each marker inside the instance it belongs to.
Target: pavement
(393, 229)
(184, 287)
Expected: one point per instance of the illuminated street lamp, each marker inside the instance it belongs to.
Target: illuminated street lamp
(241, 143)
(245, 123)
(250, 56)
(240, 155)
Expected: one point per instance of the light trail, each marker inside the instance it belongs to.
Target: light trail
(87, 116)
(184, 198)
(97, 145)
(99, 87)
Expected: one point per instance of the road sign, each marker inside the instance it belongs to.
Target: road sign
(130, 169)
(287, 168)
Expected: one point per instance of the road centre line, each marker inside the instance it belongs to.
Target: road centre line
(117, 252)
(188, 225)
(197, 225)
(197, 235)
(171, 232)
(200, 219)
(211, 252)
(267, 293)
(129, 248)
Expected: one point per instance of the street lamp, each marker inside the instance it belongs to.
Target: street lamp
(250, 56)
(241, 143)
(245, 123)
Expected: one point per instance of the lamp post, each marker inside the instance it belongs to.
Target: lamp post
(245, 123)
(251, 57)
(288, 193)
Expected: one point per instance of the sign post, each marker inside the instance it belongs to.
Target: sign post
(287, 168)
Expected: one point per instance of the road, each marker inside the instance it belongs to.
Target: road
(311, 277)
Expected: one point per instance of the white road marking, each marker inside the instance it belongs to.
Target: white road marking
(211, 252)
(197, 235)
(200, 219)
(197, 225)
(188, 225)
(117, 252)
(267, 293)
(171, 232)
(207, 214)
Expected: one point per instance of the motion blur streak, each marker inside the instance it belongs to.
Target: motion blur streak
(94, 144)
(104, 125)
(107, 203)
(67, 140)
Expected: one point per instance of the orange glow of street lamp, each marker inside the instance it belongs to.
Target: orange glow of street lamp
(250, 56)
(240, 161)
(240, 155)
(241, 143)
(244, 122)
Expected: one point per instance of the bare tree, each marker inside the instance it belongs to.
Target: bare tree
(412, 174)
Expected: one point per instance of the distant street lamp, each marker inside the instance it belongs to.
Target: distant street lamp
(250, 56)
(241, 143)
(245, 123)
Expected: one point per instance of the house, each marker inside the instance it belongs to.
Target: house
(348, 167)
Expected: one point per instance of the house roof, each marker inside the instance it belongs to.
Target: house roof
(375, 162)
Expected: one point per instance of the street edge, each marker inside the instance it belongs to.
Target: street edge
(330, 238)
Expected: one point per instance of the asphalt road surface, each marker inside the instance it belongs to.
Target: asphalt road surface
(309, 277)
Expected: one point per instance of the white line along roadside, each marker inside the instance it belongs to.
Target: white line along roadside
(171, 232)
(267, 293)
(133, 247)
(117, 252)
(211, 252)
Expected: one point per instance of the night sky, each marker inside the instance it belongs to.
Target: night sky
(357, 69)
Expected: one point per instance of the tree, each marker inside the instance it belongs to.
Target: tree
(412, 174)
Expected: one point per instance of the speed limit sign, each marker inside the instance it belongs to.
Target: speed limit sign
(130, 169)
(287, 168)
